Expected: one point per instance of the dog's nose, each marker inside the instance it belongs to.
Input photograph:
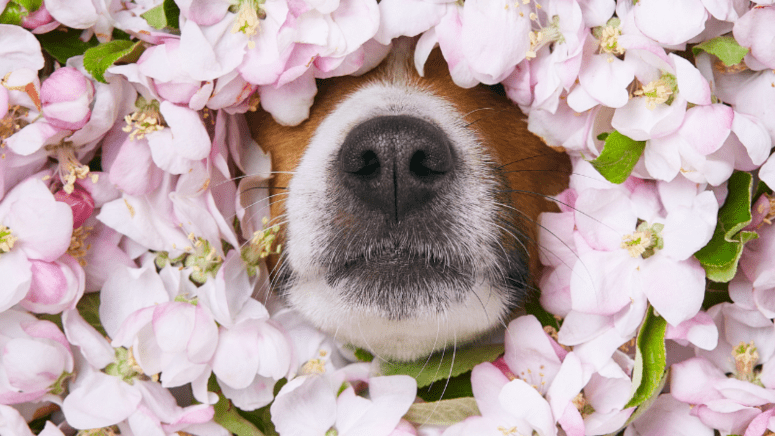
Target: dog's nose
(396, 164)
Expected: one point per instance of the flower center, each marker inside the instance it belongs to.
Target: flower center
(202, 258)
(316, 365)
(544, 35)
(106, 431)
(644, 241)
(261, 246)
(12, 122)
(745, 356)
(249, 16)
(659, 91)
(146, 119)
(69, 169)
(608, 37)
(78, 246)
(125, 366)
(580, 401)
(509, 431)
(7, 239)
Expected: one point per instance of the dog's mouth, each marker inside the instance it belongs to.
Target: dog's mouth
(401, 280)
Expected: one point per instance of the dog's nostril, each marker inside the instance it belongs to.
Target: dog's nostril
(367, 164)
(426, 167)
(396, 164)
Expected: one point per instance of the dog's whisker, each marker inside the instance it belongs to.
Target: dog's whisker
(524, 159)
(236, 178)
(485, 116)
(549, 197)
(544, 250)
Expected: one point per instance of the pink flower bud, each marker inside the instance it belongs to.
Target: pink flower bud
(67, 97)
(55, 286)
(80, 201)
(34, 357)
(39, 18)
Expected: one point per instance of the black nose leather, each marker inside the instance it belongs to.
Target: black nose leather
(396, 164)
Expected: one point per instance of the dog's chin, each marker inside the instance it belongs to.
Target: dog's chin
(398, 284)
(447, 321)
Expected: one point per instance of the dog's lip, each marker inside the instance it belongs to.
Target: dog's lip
(396, 262)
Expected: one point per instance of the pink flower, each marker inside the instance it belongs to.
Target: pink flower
(120, 394)
(40, 21)
(67, 96)
(670, 25)
(81, 203)
(726, 385)
(754, 30)
(35, 228)
(35, 358)
(666, 415)
(315, 403)
(505, 404)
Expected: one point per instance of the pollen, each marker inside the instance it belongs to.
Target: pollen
(508, 431)
(261, 245)
(105, 431)
(658, 91)
(609, 40)
(248, 19)
(313, 366)
(70, 168)
(130, 208)
(7, 239)
(146, 119)
(580, 402)
(545, 35)
(745, 356)
(644, 241)
(637, 242)
(203, 259)
(12, 122)
(78, 247)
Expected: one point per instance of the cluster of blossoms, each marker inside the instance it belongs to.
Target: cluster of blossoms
(135, 299)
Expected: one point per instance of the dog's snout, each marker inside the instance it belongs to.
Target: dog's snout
(396, 164)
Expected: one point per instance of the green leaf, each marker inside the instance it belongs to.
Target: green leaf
(619, 156)
(533, 307)
(13, 14)
(650, 360)
(453, 387)
(439, 366)
(119, 34)
(644, 406)
(164, 16)
(227, 415)
(262, 419)
(64, 44)
(89, 308)
(722, 254)
(363, 355)
(444, 412)
(30, 5)
(98, 59)
(56, 319)
(724, 48)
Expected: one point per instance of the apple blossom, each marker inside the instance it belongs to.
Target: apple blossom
(36, 358)
(663, 416)
(66, 97)
(327, 403)
(35, 228)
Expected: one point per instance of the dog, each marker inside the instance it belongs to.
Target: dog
(408, 207)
